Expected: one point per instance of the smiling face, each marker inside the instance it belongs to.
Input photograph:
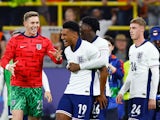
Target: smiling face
(32, 25)
(68, 36)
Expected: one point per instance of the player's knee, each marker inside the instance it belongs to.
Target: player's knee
(60, 116)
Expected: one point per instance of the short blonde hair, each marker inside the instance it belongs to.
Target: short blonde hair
(139, 20)
(30, 14)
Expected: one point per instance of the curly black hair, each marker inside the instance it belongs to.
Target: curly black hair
(92, 22)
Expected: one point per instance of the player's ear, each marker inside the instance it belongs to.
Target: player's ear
(24, 23)
(74, 34)
(89, 27)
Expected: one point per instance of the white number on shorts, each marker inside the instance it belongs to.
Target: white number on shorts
(96, 109)
(82, 109)
(136, 109)
(39, 104)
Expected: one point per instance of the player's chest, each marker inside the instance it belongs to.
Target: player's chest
(30, 46)
(78, 57)
(138, 56)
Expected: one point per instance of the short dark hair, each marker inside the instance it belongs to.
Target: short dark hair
(110, 39)
(72, 26)
(92, 22)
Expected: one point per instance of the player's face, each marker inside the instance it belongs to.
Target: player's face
(135, 31)
(83, 30)
(66, 37)
(32, 25)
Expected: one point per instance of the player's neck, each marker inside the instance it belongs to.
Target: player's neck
(29, 34)
(139, 41)
(91, 37)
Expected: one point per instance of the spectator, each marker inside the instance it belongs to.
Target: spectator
(115, 82)
(142, 9)
(104, 24)
(153, 12)
(121, 47)
(53, 11)
(155, 39)
(124, 14)
(70, 15)
(43, 10)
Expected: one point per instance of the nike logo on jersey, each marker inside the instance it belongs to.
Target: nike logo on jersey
(22, 46)
(79, 116)
(132, 119)
(134, 115)
(95, 116)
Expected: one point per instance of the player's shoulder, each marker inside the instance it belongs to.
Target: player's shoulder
(146, 45)
(17, 38)
(87, 45)
(85, 42)
(42, 37)
(101, 41)
(150, 46)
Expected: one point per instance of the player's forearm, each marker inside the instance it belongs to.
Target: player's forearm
(101, 61)
(94, 64)
(154, 82)
(45, 82)
(103, 78)
(125, 86)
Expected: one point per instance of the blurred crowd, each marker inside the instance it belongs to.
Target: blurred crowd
(107, 16)
(10, 14)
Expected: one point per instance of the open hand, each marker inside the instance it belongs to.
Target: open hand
(57, 54)
(11, 67)
(102, 100)
(119, 99)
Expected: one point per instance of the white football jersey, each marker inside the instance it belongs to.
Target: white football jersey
(142, 59)
(81, 82)
(102, 46)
